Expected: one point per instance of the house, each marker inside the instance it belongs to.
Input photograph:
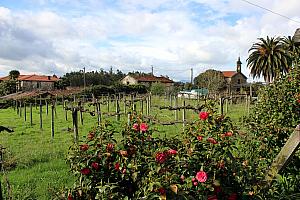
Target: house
(34, 82)
(235, 80)
(147, 80)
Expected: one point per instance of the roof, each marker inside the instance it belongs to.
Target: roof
(230, 74)
(151, 78)
(34, 77)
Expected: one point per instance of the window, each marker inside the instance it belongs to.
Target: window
(127, 82)
(38, 84)
(239, 81)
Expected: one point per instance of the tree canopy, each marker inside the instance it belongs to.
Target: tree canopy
(211, 79)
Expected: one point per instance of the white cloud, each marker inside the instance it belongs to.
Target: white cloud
(133, 35)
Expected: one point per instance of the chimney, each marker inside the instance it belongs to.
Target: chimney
(239, 65)
(49, 77)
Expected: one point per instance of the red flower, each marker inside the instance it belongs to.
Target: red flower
(212, 140)
(298, 101)
(109, 147)
(85, 171)
(162, 191)
(144, 127)
(193, 180)
(195, 183)
(228, 134)
(203, 115)
(172, 152)
(117, 166)
(84, 147)
(135, 127)
(201, 176)
(160, 157)
(95, 165)
(199, 138)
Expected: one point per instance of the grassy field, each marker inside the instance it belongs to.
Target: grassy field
(35, 164)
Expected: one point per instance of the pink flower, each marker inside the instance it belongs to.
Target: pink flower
(172, 152)
(298, 100)
(85, 171)
(84, 147)
(199, 138)
(195, 183)
(160, 157)
(144, 127)
(135, 127)
(95, 165)
(117, 166)
(193, 179)
(182, 177)
(201, 176)
(203, 115)
(212, 140)
(91, 135)
(109, 147)
(123, 170)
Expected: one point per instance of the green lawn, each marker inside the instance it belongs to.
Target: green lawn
(35, 165)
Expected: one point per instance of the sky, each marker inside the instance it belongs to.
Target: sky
(60, 36)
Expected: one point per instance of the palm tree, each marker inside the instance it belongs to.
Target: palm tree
(269, 58)
(293, 49)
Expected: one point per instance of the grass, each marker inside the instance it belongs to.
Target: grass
(35, 165)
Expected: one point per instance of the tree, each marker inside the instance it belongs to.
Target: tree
(157, 89)
(14, 74)
(211, 79)
(269, 59)
(293, 50)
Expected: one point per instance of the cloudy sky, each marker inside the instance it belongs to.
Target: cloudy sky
(173, 36)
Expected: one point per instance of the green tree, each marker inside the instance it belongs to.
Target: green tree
(293, 50)
(157, 89)
(269, 59)
(8, 87)
(14, 74)
(211, 79)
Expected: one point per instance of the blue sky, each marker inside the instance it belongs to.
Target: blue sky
(59, 36)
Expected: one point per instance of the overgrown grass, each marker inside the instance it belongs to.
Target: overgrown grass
(35, 165)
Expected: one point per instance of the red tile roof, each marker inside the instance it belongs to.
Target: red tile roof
(34, 77)
(151, 78)
(229, 74)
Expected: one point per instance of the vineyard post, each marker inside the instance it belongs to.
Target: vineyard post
(221, 106)
(66, 112)
(108, 100)
(55, 103)
(226, 106)
(171, 102)
(25, 112)
(41, 116)
(124, 100)
(52, 120)
(176, 106)
(74, 99)
(80, 110)
(75, 123)
(30, 114)
(35, 103)
(183, 114)
(142, 106)
(63, 102)
(128, 118)
(20, 109)
(117, 110)
(46, 106)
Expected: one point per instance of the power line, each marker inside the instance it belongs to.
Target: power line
(276, 13)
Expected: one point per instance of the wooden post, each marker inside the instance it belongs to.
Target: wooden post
(124, 100)
(46, 106)
(63, 102)
(98, 110)
(30, 114)
(25, 112)
(128, 118)
(66, 112)
(226, 106)
(75, 123)
(52, 121)
(147, 105)
(81, 116)
(142, 106)
(183, 115)
(117, 110)
(41, 116)
(176, 111)
(20, 109)
(284, 156)
(35, 103)
(108, 100)
(221, 106)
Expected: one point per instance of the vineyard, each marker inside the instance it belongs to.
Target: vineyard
(57, 148)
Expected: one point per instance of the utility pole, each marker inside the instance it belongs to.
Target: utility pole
(191, 75)
(152, 70)
(84, 80)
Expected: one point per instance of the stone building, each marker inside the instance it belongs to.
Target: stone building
(147, 80)
(235, 80)
(34, 82)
